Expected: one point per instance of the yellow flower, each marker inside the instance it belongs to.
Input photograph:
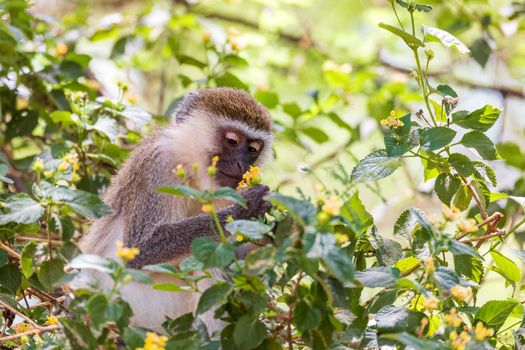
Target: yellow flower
(481, 332)
(21, 327)
(63, 166)
(207, 208)
(154, 342)
(48, 173)
(392, 121)
(453, 319)
(467, 226)
(128, 278)
(52, 320)
(206, 37)
(179, 171)
(429, 265)
(229, 218)
(332, 206)
(214, 160)
(126, 253)
(430, 303)
(450, 213)
(459, 342)
(250, 178)
(38, 165)
(239, 238)
(461, 294)
(61, 49)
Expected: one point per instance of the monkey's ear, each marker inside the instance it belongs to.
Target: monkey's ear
(180, 108)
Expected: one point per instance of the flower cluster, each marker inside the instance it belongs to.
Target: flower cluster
(52, 320)
(481, 332)
(251, 178)
(154, 341)
(126, 253)
(467, 226)
(392, 121)
(453, 319)
(21, 327)
(430, 303)
(461, 294)
(459, 342)
(332, 206)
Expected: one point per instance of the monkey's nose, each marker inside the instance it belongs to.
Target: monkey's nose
(242, 165)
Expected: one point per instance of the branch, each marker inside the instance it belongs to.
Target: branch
(38, 330)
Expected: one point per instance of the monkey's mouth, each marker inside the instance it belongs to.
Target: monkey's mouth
(229, 180)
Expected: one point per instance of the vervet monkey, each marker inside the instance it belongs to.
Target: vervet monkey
(220, 122)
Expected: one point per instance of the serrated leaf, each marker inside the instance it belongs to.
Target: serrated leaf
(392, 319)
(444, 37)
(51, 272)
(378, 277)
(407, 264)
(481, 119)
(445, 278)
(307, 317)
(507, 267)
(91, 261)
(300, 209)
(481, 143)
(481, 51)
(375, 166)
(340, 264)
(21, 209)
(446, 90)
(494, 313)
(214, 296)
(485, 173)
(248, 228)
(355, 214)
(229, 194)
(249, 332)
(10, 278)
(446, 187)
(462, 164)
(212, 254)
(436, 138)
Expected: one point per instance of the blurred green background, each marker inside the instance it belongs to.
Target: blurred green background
(324, 68)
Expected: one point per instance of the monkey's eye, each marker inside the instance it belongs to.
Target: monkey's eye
(254, 147)
(232, 138)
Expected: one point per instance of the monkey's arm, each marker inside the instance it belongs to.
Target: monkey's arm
(169, 241)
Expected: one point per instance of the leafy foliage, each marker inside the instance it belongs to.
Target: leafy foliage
(326, 273)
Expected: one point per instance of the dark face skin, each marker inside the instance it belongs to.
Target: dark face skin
(237, 153)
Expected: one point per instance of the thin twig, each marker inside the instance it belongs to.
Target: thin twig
(484, 237)
(38, 330)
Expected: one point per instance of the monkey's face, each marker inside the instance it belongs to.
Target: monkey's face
(237, 152)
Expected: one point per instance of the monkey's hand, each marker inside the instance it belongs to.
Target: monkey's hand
(256, 203)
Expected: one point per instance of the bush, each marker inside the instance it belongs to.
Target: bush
(328, 279)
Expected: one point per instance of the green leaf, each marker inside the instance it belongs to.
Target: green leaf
(378, 277)
(355, 214)
(107, 127)
(249, 332)
(508, 268)
(316, 134)
(462, 164)
(375, 166)
(78, 334)
(340, 264)
(22, 209)
(228, 79)
(27, 259)
(485, 173)
(4, 257)
(458, 248)
(214, 296)
(481, 119)
(408, 221)
(444, 37)
(391, 319)
(212, 254)
(229, 194)
(88, 204)
(418, 7)
(97, 306)
(481, 143)
(411, 40)
(511, 153)
(494, 313)
(267, 98)
(446, 278)
(181, 191)
(446, 90)
(170, 287)
(300, 209)
(51, 273)
(248, 228)
(481, 51)
(436, 138)
(462, 198)
(306, 317)
(407, 264)
(10, 278)
(412, 342)
(446, 187)
(183, 59)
